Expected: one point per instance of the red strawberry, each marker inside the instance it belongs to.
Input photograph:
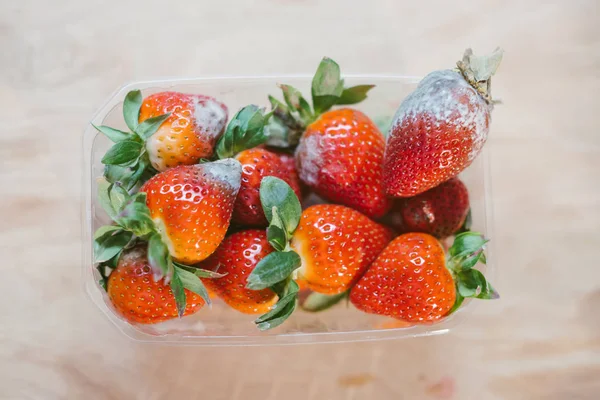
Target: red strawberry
(256, 164)
(190, 133)
(440, 128)
(237, 256)
(138, 298)
(340, 157)
(440, 211)
(288, 160)
(340, 152)
(165, 130)
(336, 244)
(411, 280)
(191, 206)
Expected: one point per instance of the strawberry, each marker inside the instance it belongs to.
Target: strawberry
(340, 157)
(412, 281)
(191, 206)
(441, 127)
(138, 298)
(166, 129)
(288, 161)
(340, 152)
(440, 211)
(331, 246)
(190, 133)
(256, 164)
(237, 256)
(336, 244)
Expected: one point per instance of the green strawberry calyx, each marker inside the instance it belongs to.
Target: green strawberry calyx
(245, 131)
(127, 161)
(276, 271)
(291, 117)
(466, 251)
(132, 224)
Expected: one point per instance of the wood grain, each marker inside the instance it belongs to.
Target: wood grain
(60, 60)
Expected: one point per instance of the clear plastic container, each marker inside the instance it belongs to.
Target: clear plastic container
(219, 325)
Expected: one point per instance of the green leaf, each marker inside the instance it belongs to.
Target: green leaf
(276, 237)
(245, 131)
(131, 175)
(118, 173)
(149, 126)
(466, 251)
(285, 287)
(354, 94)
(327, 85)
(108, 246)
(113, 134)
(280, 319)
(276, 105)
(192, 283)
(457, 303)
(158, 256)
(472, 283)
(179, 293)
(287, 291)
(122, 153)
(318, 302)
(466, 285)
(135, 216)
(297, 102)
(118, 197)
(278, 307)
(103, 281)
(205, 273)
(103, 230)
(275, 192)
(199, 272)
(467, 243)
(136, 177)
(104, 197)
(274, 268)
(131, 108)
(487, 292)
(276, 234)
(482, 258)
(470, 261)
(276, 220)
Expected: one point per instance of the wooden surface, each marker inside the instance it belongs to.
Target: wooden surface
(60, 60)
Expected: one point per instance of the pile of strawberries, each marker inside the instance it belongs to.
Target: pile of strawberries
(202, 207)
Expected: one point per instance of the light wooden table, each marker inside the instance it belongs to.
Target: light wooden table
(58, 62)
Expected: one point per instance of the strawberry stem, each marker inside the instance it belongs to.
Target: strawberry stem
(478, 71)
